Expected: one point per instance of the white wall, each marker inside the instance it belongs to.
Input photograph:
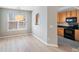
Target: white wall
(4, 24)
(40, 30)
(47, 30)
(0, 21)
(52, 24)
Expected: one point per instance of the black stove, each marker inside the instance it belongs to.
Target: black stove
(69, 33)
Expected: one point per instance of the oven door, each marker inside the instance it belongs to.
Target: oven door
(69, 33)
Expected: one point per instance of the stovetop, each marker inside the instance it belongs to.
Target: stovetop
(69, 27)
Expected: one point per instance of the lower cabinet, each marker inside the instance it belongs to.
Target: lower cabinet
(60, 31)
(77, 35)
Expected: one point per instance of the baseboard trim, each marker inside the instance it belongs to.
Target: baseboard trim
(13, 35)
(39, 39)
(54, 45)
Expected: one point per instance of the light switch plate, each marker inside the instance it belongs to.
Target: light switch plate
(50, 26)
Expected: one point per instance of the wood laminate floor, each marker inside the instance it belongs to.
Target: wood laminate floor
(25, 43)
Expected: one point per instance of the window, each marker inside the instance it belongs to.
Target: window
(19, 18)
(12, 25)
(21, 24)
(16, 22)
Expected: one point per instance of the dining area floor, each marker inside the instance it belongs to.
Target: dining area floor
(26, 43)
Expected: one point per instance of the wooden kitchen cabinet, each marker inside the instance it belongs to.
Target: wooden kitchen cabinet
(58, 18)
(73, 13)
(77, 16)
(68, 13)
(60, 31)
(77, 35)
(62, 17)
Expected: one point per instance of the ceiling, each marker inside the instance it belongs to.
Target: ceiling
(68, 8)
(29, 8)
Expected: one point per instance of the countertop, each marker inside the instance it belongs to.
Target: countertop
(67, 27)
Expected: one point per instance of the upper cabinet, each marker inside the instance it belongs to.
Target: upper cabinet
(62, 17)
(77, 16)
(74, 13)
(68, 13)
(58, 18)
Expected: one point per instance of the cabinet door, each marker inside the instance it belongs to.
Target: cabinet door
(62, 17)
(68, 13)
(77, 16)
(58, 18)
(74, 13)
(60, 31)
(77, 35)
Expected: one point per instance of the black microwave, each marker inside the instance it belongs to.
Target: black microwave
(71, 19)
